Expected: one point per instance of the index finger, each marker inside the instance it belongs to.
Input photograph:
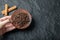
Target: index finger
(4, 18)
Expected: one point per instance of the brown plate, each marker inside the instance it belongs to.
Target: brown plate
(21, 19)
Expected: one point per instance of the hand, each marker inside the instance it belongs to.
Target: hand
(7, 27)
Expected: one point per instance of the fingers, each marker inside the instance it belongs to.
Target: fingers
(4, 18)
(9, 27)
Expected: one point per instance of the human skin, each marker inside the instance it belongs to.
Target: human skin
(7, 27)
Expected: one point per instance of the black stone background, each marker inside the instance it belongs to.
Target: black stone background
(46, 20)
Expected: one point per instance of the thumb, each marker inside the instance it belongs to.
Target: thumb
(3, 23)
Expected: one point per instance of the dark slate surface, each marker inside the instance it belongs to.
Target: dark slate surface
(46, 20)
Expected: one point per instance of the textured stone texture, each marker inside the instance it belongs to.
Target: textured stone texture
(46, 20)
